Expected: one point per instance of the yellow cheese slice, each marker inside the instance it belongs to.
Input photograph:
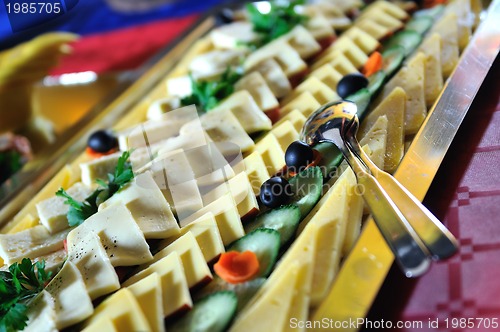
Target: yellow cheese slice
(101, 324)
(255, 84)
(352, 51)
(362, 39)
(355, 214)
(26, 222)
(195, 267)
(52, 211)
(145, 201)
(226, 215)
(385, 7)
(174, 288)
(285, 133)
(123, 310)
(433, 83)
(246, 110)
(302, 41)
(295, 117)
(71, 301)
(320, 91)
(120, 236)
(447, 28)
(411, 78)
(89, 257)
(274, 76)
(375, 29)
(147, 292)
(328, 75)
(207, 236)
(465, 20)
(376, 139)
(273, 155)
(319, 27)
(303, 102)
(333, 12)
(393, 106)
(30, 243)
(256, 169)
(241, 189)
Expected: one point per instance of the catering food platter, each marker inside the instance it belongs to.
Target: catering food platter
(323, 285)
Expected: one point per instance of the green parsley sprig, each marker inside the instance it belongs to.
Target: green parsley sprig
(18, 286)
(79, 211)
(281, 18)
(207, 94)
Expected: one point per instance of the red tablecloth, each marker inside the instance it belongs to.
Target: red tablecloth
(465, 194)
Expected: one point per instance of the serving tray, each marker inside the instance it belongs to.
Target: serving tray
(366, 267)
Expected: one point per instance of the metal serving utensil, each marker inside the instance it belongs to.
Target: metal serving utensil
(337, 123)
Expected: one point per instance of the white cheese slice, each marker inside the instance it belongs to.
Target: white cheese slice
(212, 64)
(180, 87)
(161, 106)
(207, 235)
(149, 208)
(255, 84)
(256, 170)
(119, 233)
(98, 169)
(274, 76)
(148, 294)
(71, 301)
(222, 126)
(226, 215)
(240, 188)
(89, 257)
(41, 314)
(320, 28)
(54, 260)
(52, 211)
(175, 291)
(30, 243)
(123, 310)
(233, 35)
(245, 109)
(209, 166)
(195, 267)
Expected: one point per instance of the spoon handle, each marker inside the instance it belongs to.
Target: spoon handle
(409, 251)
(436, 237)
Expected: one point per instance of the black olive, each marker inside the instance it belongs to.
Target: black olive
(298, 155)
(351, 83)
(102, 141)
(225, 16)
(275, 192)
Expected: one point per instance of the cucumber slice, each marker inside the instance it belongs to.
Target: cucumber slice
(362, 99)
(331, 157)
(392, 59)
(284, 220)
(433, 12)
(408, 39)
(265, 243)
(213, 313)
(244, 291)
(307, 186)
(375, 82)
(420, 24)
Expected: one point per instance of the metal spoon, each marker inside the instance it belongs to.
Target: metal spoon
(331, 123)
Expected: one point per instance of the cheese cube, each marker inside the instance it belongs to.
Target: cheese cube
(119, 233)
(30, 243)
(71, 301)
(89, 257)
(52, 211)
(245, 109)
(123, 310)
(255, 84)
(145, 201)
(174, 288)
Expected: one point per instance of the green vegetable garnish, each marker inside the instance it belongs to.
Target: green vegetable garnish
(79, 211)
(10, 163)
(207, 94)
(18, 287)
(281, 18)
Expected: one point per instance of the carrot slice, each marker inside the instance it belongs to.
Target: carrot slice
(235, 267)
(94, 154)
(373, 64)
